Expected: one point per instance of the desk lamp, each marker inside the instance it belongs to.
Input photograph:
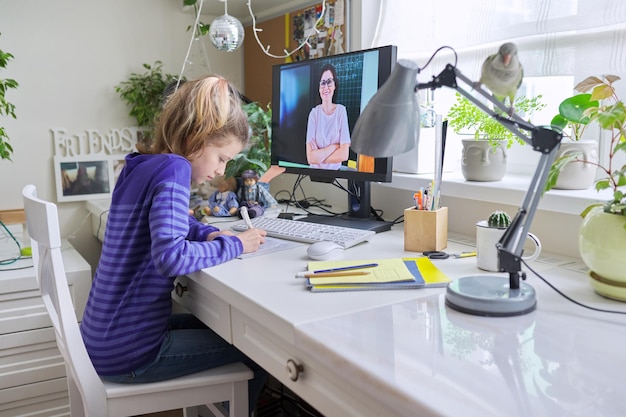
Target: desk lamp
(389, 126)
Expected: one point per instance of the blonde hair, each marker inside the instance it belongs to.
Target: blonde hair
(202, 112)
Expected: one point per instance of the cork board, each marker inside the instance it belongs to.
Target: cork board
(286, 33)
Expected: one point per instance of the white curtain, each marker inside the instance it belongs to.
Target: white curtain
(554, 37)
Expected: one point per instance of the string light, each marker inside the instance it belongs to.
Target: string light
(287, 54)
(193, 35)
(227, 33)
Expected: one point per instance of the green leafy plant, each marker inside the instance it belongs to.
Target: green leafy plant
(144, 93)
(572, 115)
(465, 117)
(605, 108)
(6, 107)
(257, 155)
(573, 120)
(201, 28)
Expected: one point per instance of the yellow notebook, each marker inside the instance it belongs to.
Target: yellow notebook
(387, 270)
(425, 275)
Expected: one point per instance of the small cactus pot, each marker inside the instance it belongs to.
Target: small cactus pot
(499, 220)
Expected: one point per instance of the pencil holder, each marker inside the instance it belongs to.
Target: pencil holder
(425, 230)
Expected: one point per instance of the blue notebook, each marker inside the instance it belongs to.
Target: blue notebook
(426, 274)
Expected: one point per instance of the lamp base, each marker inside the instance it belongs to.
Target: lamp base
(488, 295)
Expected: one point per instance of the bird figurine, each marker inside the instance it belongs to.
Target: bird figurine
(502, 74)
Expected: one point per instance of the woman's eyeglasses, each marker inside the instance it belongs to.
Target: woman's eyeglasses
(327, 83)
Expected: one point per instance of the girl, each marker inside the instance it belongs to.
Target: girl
(150, 238)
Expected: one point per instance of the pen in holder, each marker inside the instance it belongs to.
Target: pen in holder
(425, 230)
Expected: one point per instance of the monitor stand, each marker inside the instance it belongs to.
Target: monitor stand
(359, 215)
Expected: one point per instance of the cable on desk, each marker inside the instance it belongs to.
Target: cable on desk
(9, 261)
(398, 220)
(304, 203)
(568, 297)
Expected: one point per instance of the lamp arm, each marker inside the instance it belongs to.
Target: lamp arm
(543, 139)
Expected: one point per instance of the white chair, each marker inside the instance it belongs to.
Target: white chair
(90, 395)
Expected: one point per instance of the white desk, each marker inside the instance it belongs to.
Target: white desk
(403, 353)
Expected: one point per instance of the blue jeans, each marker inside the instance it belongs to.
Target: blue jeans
(190, 346)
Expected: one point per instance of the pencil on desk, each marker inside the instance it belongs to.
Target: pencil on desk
(330, 274)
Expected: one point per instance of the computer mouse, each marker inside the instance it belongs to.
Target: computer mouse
(324, 251)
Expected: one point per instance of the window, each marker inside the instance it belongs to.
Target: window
(560, 43)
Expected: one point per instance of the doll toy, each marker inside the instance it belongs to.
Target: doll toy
(223, 201)
(255, 196)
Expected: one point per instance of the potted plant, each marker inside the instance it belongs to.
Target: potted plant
(576, 161)
(257, 155)
(484, 156)
(144, 94)
(6, 107)
(488, 234)
(602, 237)
(201, 29)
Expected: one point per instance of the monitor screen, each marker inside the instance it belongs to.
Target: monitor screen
(316, 104)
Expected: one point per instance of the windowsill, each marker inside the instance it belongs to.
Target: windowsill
(510, 190)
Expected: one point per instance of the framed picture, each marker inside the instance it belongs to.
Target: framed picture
(84, 177)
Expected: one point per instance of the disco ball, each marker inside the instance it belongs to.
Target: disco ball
(226, 33)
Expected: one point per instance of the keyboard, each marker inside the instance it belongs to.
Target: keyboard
(307, 232)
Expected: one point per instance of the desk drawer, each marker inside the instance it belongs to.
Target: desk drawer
(213, 311)
(322, 388)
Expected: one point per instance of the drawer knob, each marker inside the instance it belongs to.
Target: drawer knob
(180, 289)
(294, 369)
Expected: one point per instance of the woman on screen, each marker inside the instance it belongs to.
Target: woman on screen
(327, 134)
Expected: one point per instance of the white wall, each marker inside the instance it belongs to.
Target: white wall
(69, 55)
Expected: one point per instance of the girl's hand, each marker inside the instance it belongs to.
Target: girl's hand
(252, 239)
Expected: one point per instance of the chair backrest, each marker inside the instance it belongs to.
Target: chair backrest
(43, 227)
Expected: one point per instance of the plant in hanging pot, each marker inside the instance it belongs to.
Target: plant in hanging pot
(602, 237)
(575, 165)
(484, 156)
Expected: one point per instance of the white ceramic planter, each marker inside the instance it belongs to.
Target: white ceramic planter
(578, 175)
(482, 162)
(602, 245)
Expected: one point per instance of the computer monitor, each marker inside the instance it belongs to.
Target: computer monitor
(310, 135)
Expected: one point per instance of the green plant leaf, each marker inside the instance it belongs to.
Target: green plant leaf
(573, 109)
(603, 184)
(465, 117)
(612, 117)
(558, 121)
(257, 155)
(6, 108)
(557, 166)
(143, 93)
(586, 211)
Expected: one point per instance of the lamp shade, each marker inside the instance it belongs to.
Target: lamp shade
(389, 124)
